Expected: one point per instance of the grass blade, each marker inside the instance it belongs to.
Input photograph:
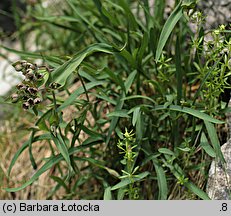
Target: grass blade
(60, 74)
(130, 17)
(190, 111)
(115, 78)
(204, 143)
(77, 93)
(214, 140)
(136, 115)
(115, 119)
(166, 151)
(167, 29)
(34, 55)
(161, 179)
(26, 145)
(31, 140)
(130, 80)
(142, 49)
(107, 194)
(50, 163)
(62, 147)
(119, 113)
(137, 97)
(178, 70)
(193, 188)
(60, 182)
(127, 181)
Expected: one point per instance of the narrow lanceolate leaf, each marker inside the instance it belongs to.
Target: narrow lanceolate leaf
(44, 168)
(92, 140)
(33, 55)
(136, 115)
(107, 194)
(115, 119)
(167, 29)
(161, 179)
(50, 163)
(193, 188)
(190, 111)
(130, 80)
(25, 145)
(84, 20)
(99, 6)
(127, 181)
(204, 143)
(140, 127)
(61, 182)
(77, 93)
(130, 17)
(138, 97)
(31, 140)
(41, 122)
(214, 140)
(111, 172)
(119, 113)
(188, 3)
(142, 49)
(166, 151)
(62, 147)
(60, 74)
(179, 75)
(115, 78)
(57, 18)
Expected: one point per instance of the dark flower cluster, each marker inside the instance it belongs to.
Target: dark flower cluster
(27, 91)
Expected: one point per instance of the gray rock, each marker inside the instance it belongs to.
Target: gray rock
(219, 181)
(217, 12)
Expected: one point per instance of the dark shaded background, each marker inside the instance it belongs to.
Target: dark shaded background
(7, 23)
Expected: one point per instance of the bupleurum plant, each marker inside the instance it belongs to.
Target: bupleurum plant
(130, 178)
(128, 148)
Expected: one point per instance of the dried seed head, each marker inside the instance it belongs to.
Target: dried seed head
(25, 97)
(30, 76)
(37, 100)
(23, 87)
(23, 71)
(33, 66)
(26, 105)
(32, 90)
(30, 101)
(19, 86)
(54, 85)
(28, 65)
(39, 76)
(16, 63)
(14, 98)
(23, 63)
(29, 71)
(18, 67)
(27, 90)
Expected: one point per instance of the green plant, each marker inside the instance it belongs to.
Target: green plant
(114, 66)
(129, 178)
